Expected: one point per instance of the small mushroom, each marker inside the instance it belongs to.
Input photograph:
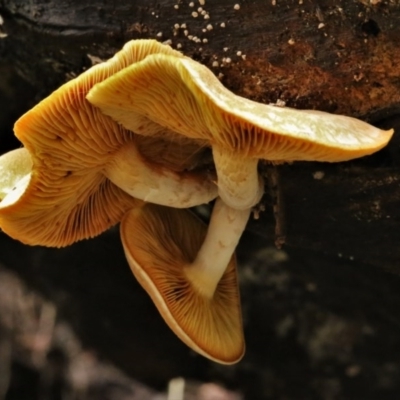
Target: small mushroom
(185, 97)
(86, 170)
(190, 275)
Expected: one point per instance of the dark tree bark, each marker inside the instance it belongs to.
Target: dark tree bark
(337, 56)
(341, 222)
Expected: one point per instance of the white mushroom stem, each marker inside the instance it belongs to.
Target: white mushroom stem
(156, 184)
(239, 184)
(224, 231)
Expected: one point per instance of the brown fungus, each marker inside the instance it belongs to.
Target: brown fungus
(185, 97)
(86, 170)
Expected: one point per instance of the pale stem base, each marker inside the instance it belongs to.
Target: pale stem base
(224, 231)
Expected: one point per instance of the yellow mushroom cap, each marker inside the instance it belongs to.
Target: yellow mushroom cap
(160, 243)
(186, 97)
(67, 197)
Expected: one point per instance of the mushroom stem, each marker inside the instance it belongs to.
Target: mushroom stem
(157, 184)
(239, 184)
(224, 231)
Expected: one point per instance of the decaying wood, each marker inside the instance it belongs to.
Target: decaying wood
(340, 56)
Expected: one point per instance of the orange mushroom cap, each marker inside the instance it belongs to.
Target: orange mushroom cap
(160, 244)
(67, 197)
(186, 97)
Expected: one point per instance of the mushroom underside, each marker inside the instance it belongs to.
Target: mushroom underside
(160, 243)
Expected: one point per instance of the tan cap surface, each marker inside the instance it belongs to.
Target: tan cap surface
(186, 97)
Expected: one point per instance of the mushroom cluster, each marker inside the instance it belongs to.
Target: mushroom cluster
(141, 138)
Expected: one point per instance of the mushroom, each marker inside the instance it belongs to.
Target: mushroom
(86, 170)
(156, 92)
(190, 275)
(185, 97)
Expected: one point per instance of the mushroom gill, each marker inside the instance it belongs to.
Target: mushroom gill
(86, 170)
(166, 251)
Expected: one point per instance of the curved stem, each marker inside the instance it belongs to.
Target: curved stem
(239, 184)
(156, 184)
(224, 231)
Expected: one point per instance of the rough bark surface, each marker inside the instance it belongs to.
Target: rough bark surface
(339, 56)
(321, 318)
